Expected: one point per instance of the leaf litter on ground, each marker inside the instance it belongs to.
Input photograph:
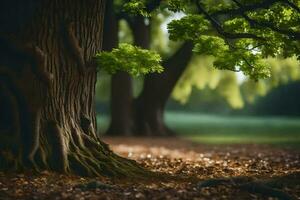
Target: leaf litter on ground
(245, 171)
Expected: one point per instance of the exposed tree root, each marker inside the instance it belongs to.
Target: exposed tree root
(262, 187)
(95, 158)
(51, 104)
(259, 188)
(79, 152)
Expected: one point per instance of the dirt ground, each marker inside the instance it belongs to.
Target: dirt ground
(205, 171)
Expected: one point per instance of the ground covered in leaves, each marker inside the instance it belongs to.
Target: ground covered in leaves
(202, 171)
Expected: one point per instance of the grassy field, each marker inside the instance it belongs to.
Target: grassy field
(215, 129)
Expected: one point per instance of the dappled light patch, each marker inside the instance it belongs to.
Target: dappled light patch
(183, 157)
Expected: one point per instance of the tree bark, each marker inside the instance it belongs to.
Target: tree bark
(121, 82)
(150, 104)
(47, 89)
(123, 120)
(148, 108)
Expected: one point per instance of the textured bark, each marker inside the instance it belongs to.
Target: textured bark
(47, 87)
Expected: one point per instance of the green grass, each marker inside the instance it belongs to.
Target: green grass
(241, 139)
(213, 129)
(212, 124)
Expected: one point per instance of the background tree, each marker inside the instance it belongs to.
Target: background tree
(237, 34)
(142, 115)
(200, 75)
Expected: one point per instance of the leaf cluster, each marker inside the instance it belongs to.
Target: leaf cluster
(131, 59)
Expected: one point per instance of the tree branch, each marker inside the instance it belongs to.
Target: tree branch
(292, 5)
(247, 8)
(220, 29)
(181, 57)
(290, 33)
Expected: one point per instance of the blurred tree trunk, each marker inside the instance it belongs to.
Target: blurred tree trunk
(144, 115)
(47, 89)
(121, 83)
(150, 105)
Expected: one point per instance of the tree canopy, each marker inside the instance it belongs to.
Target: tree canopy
(239, 34)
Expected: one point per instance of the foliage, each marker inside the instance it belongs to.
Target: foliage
(200, 75)
(125, 33)
(240, 34)
(129, 58)
(283, 71)
(136, 7)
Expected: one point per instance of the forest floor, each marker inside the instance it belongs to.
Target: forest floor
(244, 171)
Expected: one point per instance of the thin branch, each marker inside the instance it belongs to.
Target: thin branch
(253, 7)
(245, 60)
(292, 5)
(290, 33)
(247, 8)
(219, 28)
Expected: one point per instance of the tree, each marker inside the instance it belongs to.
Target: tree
(283, 71)
(282, 100)
(48, 72)
(142, 115)
(237, 33)
(47, 88)
(121, 85)
(200, 75)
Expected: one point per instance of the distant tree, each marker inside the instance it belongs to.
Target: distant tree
(283, 71)
(281, 101)
(200, 75)
(142, 115)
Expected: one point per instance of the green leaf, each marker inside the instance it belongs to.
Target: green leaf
(129, 58)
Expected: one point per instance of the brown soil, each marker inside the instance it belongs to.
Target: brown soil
(200, 171)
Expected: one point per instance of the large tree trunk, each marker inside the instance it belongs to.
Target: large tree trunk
(150, 105)
(121, 82)
(123, 121)
(47, 87)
